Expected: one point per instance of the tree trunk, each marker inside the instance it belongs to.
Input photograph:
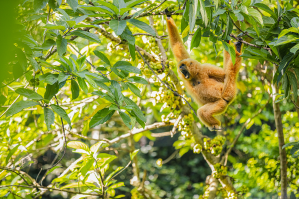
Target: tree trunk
(282, 152)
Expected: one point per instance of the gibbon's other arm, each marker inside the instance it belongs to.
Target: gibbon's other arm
(176, 42)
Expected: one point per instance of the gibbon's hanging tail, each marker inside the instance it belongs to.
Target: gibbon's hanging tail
(213, 88)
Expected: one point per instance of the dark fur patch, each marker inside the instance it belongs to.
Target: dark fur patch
(238, 46)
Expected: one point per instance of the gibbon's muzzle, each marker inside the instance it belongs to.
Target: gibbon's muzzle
(184, 71)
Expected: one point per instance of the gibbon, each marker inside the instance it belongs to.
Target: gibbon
(213, 88)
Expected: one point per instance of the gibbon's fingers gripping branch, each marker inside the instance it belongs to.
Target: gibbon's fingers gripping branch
(213, 88)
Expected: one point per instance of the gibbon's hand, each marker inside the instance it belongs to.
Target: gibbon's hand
(168, 14)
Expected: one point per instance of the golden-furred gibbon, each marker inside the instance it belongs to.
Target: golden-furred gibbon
(213, 88)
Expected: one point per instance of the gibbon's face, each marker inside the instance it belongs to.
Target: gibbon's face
(187, 68)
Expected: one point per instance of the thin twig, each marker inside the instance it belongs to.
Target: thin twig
(170, 157)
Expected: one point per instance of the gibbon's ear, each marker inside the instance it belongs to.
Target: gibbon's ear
(176, 42)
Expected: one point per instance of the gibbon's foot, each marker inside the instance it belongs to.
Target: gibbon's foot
(238, 46)
(215, 128)
(184, 71)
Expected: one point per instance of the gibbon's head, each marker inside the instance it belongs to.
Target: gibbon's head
(186, 68)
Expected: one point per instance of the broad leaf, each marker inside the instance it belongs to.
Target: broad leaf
(126, 66)
(82, 85)
(142, 25)
(134, 89)
(19, 106)
(29, 94)
(192, 14)
(101, 117)
(102, 57)
(51, 90)
(78, 145)
(126, 119)
(61, 112)
(118, 26)
(73, 4)
(61, 45)
(86, 35)
(139, 80)
(75, 89)
(49, 117)
(196, 39)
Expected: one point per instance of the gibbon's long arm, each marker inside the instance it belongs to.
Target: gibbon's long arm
(176, 42)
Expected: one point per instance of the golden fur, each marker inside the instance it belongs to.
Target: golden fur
(212, 87)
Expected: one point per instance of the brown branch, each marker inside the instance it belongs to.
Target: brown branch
(211, 191)
(282, 152)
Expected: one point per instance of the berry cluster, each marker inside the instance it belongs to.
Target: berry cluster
(136, 194)
(214, 146)
(197, 148)
(185, 125)
(219, 170)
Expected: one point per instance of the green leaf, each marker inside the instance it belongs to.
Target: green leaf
(19, 106)
(134, 153)
(294, 149)
(134, 89)
(102, 57)
(203, 12)
(61, 45)
(11, 152)
(109, 5)
(51, 79)
(295, 22)
(61, 112)
(230, 50)
(118, 26)
(293, 81)
(139, 80)
(133, 3)
(101, 117)
(136, 110)
(246, 2)
(112, 174)
(126, 119)
(49, 117)
(82, 84)
(29, 94)
(254, 13)
(132, 51)
(91, 82)
(196, 39)
(75, 89)
(86, 35)
(52, 169)
(284, 40)
(73, 4)
(192, 14)
(289, 144)
(78, 184)
(219, 12)
(86, 167)
(62, 77)
(294, 49)
(51, 90)
(55, 27)
(128, 36)
(78, 145)
(103, 9)
(119, 184)
(39, 4)
(285, 31)
(126, 66)
(143, 26)
(266, 9)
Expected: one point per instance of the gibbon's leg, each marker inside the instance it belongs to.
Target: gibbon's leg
(231, 70)
(206, 113)
(176, 42)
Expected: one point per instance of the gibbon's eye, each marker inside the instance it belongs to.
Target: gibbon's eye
(184, 71)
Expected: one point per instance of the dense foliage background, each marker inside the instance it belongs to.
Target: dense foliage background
(91, 106)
